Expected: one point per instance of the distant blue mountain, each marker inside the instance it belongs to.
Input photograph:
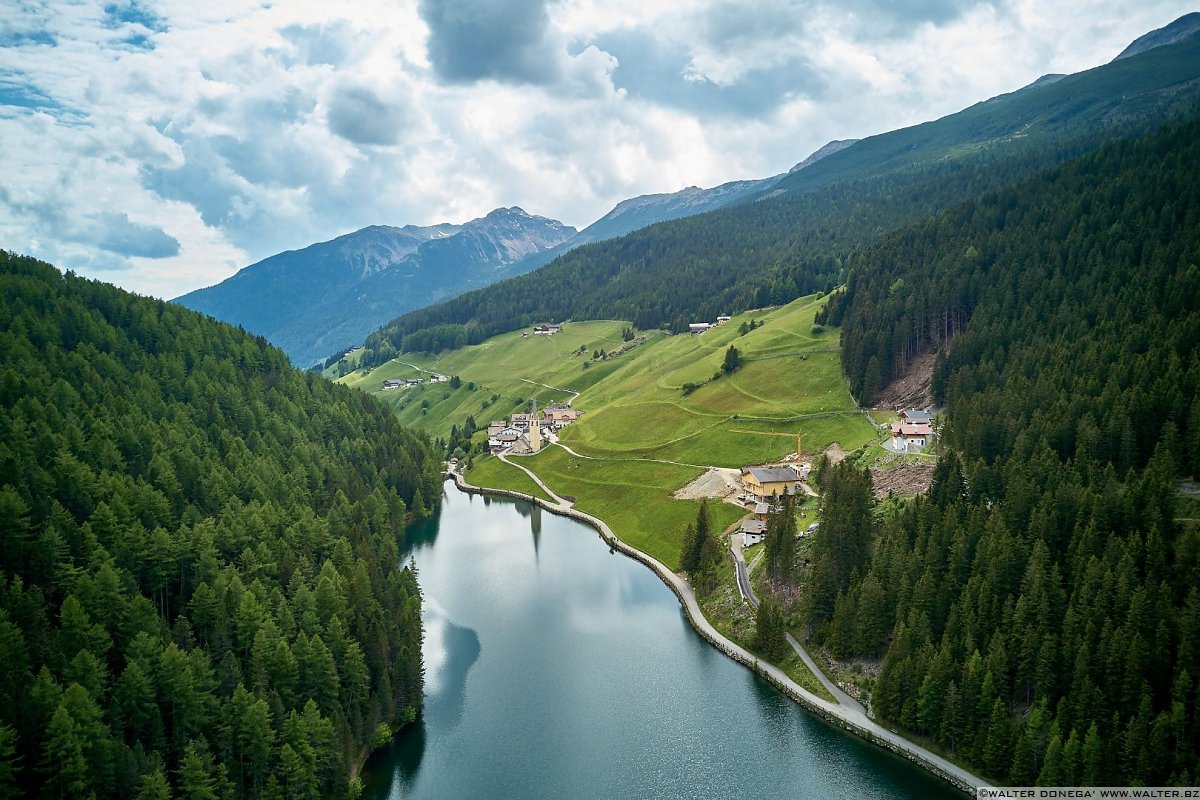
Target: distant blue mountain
(329, 296)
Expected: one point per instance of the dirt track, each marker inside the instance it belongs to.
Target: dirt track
(716, 482)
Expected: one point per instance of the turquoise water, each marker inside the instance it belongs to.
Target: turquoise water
(557, 669)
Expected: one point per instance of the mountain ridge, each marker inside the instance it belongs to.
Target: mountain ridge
(754, 254)
(329, 295)
(1182, 28)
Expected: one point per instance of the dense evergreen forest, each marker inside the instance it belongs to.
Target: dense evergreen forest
(781, 247)
(200, 593)
(696, 268)
(1039, 613)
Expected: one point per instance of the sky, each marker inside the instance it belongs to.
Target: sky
(162, 146)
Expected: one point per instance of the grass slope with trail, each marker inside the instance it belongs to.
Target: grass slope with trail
(641, 437)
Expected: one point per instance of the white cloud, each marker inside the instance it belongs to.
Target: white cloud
(165, 145)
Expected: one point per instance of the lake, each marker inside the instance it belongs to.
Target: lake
(555, 668)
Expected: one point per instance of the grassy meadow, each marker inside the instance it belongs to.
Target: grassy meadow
(633, 497)
(495, 474)
(496, 375)
(637, 414)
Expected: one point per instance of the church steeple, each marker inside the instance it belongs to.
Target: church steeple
(535, 430)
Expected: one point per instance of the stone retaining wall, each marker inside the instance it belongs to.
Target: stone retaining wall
(702, 626)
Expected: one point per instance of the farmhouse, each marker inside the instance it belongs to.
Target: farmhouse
(769, 482)
(547, 330)
(723, 318)
(698, 327)
(388, 385)
(503, 439)
(911, 437)
(560, 416)
(438, 378)
(916, 416)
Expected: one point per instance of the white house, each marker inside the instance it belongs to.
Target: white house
(698, 327)
(911, 437)
(504, 439)
(753, 531)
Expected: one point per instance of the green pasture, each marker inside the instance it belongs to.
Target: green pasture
(636, 412)
(494, 473)
(633, 497)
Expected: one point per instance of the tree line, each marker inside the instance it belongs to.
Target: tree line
(1038, 614)
(751, 256)
(200, 588)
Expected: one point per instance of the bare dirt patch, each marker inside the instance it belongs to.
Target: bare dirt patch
(834, 453)
(911, 390)
(908, 479)
(716, 482)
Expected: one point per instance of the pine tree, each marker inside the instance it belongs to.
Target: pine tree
(1092, 771)
(155, 786)
(195, 777)
(10, 764)
(63, 762)
(732, 361)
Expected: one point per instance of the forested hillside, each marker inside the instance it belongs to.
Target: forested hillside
(1039, 613)
(200, 593)
(771, 251)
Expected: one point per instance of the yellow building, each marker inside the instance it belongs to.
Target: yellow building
(766, 482)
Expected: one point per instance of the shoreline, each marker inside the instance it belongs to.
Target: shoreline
(855, 723)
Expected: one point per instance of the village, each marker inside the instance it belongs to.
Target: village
(403, 383)
(525, 434)
(759, 489)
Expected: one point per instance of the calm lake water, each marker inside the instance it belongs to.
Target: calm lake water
(556, 669)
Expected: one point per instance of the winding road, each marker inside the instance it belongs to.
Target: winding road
(848, 714)
(635, 458)
(743, 581)
(560, 503)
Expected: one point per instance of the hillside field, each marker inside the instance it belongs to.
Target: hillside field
(641, 436)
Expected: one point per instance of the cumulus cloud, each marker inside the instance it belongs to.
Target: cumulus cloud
(358, 115)
(116, 233)
(504, 40)
(165, 145)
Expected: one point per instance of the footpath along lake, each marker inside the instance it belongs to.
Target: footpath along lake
(556, 669)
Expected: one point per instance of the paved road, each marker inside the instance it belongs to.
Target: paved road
(852, 717)
(743, 581)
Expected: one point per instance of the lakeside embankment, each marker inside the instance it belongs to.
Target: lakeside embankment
(851, 720)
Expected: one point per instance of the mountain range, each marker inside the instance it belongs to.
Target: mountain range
(324, 298)
(793, 236)
(328, 296)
